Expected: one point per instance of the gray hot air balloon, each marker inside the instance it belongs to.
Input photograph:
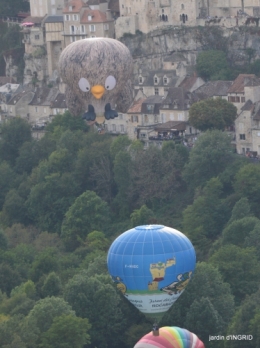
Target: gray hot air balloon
(98, 73)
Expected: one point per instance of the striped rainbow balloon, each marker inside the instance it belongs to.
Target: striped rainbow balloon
(170, 337)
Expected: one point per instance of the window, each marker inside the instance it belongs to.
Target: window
(72, 39)
(122, 129)
(232, 99)
(89, 18)
(163, 118)
(120, 116)
(182, 6)
(150, 108)
(237, 99)
(242, 136)
(243, 99)
(155, 119)
(106, 27)
(140, 79)
(123, 6)
(92, 28)
(82, 29)
(75, 17)
(70, 8)
(113, 127)
(155, 79)
(37, 37)
(143, 135)
(156, 91)
(67, 17)
(180, 116)
(72, 29)
(165, 80)
(145, 118)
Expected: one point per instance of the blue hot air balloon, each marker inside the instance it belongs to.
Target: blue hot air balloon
(151, 265)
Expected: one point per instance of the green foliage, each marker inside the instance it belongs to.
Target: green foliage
(210, 156)
(97, 241)
(121, 143)
(247, 185)
(3, 241)
(88, 213)
(142, 216)
(66, 122)
(204, 219)
(239, 267)
(206, 306)
(15, 132)
(212, 114)
(212, 64)
(9, 278)
(241, 209)
(7, 178)
(52, 285)
(11, 8)
(254, 68)
(66, 331)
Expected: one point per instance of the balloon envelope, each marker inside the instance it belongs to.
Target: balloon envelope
(170, 337)
(151, 265)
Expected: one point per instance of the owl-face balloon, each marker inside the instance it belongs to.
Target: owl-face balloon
(98, 73)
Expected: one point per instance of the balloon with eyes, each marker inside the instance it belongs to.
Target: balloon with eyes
(98, 73)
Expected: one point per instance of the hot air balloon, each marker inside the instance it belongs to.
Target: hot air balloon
(170, 337)
(99, 77)
(151, 265)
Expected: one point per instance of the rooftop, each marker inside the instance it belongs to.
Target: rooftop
(96, 16)
(54, 19)
(6, 79)
(75, 6)
(240, 82)
(171, 125)
(59, 102)
(136, 106)
(213, 89)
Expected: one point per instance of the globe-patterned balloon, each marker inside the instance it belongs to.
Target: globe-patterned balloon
(170, 337)
(152, 265)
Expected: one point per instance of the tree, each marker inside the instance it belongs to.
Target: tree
(66, 331)
(211, 63)
(52, 285)
(67, 122)
(206, 291)
(41, 317)
(7, 178)
(120, 143)
(14, 210)
(239, 267)
(14, 133)
(141, 216)
(247, 184)
(212, 114)
(210, 156)
(11, 8)
(204, 219)
(88, 213)
(240, 210)
(96, 299)
(237, 231)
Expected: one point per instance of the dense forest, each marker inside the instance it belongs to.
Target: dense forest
(66, 197)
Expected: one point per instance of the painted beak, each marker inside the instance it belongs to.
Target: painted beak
(97, 91)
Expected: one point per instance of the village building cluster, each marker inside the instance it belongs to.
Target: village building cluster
(160, 111)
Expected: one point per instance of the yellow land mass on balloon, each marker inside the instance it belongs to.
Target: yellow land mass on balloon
(158, 269)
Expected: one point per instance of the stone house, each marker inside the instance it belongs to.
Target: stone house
(213, 89)
(58, 105)
(18, 104)
(81, 21)
(54, 43)
(155, 82)
(40, 106)
(117, 126)
(40, 8)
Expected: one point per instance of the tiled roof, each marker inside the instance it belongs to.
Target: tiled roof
(17, 96)
(54, 19)
(248, 106)
(44, 96)
(136, 106)
(179, 97)
(170, 125)
(76, 6)
(213, 89)
(240, 82)
(59, 102)
(96, 17)
(148, 78)
(155, 101)
(95, 2)
(35, 20)
(188, 82)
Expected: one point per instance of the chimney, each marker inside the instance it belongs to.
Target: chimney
(108, 14)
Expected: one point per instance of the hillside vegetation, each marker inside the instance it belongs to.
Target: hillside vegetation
(66, 197)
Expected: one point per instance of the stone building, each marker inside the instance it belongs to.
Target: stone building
(40, 8)
(58, 105)
(82, 21)
(147, 15)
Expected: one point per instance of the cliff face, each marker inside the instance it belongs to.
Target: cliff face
(153, 49)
